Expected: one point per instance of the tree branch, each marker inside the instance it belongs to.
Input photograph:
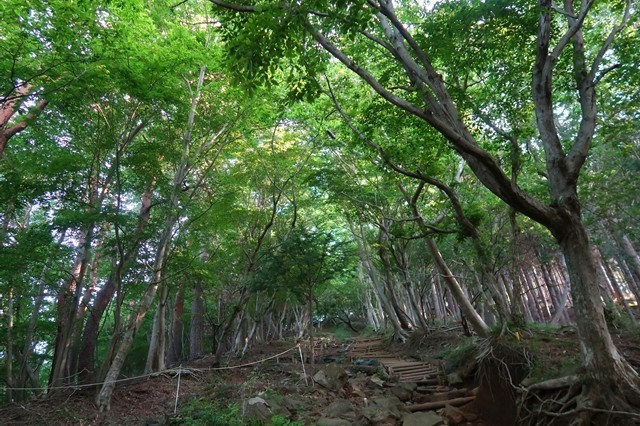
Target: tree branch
(234, 6)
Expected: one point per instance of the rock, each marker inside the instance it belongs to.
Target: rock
(331, 377)
(325, 421)
(377, 380)
(356, 389)
(455, 415)
(384, 410)
(423, 418)
(278, 406)
(293, 404)
(257, 408)
(410, 386)
(402, 393)
(257, 400)
(342, 409)
(454, 379)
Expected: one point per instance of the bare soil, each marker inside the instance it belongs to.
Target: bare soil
(544, 354)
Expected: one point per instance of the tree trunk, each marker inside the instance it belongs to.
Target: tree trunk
(367, 266)
(67, 304)
(175, 353)
(8, 110)
(630, 253)
(8, 356)
(86, 359)
(103, 399)
(620, 295)
(83, 306)
(156, 356)
(609, 375)
(405, 322)
(196, 328)
(629, 277)
(470, 313)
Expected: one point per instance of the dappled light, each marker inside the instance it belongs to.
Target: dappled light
(319, 212)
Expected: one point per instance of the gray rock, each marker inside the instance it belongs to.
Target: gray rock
(384, 410)
(342, 409)
(257, 408)
(325, 421)
(332, 377)
(402, 393)
(422, 418)
(410, 386)
(293, 404)
(456, 415)
(256, 400)
(454, 379)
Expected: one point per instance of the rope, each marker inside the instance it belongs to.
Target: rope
(175, 370)
(250, 363)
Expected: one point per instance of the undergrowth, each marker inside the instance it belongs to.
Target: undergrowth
(206, 412)
(456, 355)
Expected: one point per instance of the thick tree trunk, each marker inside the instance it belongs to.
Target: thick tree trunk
(67, 304)
(86, 359)
(196, 329)
(175, 354)
(609, 376)
(83, 306)
(29, 345)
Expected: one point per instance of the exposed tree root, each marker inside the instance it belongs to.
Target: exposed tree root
(574, 400)
(570, 401)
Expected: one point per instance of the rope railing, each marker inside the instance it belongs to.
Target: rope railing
(177, 371)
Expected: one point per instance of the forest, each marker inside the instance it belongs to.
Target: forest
(188, 180)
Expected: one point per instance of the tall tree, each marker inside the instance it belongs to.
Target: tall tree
(574, 53)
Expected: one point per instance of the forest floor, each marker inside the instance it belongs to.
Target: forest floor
(355, 392)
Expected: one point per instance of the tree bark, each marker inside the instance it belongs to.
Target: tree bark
(620, 295)
(86, 362)
(156, 356)
(405, 322)
(196, 329)
(67, 303)
(630, 253)
(103, 399)
(175, 354)
(9, 107)
(470, 313)
(367, 266)
(609, 375)
(8, 356)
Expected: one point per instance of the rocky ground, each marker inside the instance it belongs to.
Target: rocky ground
(341, 389)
